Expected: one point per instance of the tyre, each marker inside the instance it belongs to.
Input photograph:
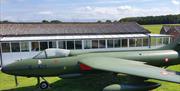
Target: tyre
(44, 85)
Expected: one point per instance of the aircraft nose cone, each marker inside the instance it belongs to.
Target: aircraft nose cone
(4, 69)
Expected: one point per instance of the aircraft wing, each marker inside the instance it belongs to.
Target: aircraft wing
(130, 67)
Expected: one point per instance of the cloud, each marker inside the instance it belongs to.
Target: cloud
(45, 13)
(176, 2)
(118, 12)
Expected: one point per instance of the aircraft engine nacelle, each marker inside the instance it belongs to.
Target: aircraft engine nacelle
(146, 86)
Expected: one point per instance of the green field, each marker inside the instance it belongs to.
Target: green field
(80, 84)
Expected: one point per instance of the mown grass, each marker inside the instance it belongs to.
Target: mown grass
(79, 84)
(155, 29)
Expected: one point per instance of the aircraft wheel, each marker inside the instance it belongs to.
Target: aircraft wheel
(44, 85)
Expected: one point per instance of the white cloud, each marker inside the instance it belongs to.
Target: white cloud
(118, 12)
(126, 7)
(176, 2)
(88, 8)
(45, 13)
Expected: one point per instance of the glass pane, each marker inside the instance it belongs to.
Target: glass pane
(70, 44)
(165, 40)
(117, 43)
(87, 44)
(41, 55)
(153, 41)
(35, 46)
(5, 47)
(145, 41)
(43, 45)
(62, 44)
(138, 42)
(159, 41)
(94, 43)
(102, 44)
(131, 42)
(24, 46)
(124, 42)
(110, 43)
(52, 44)
(15, 47)
(78, 45)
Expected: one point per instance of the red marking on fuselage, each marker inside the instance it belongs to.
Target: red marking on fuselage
(166, 59)
(85, 67)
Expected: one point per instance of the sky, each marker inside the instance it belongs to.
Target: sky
(84, 10)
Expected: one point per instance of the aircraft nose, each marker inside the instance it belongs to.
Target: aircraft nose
(4, 69)
(8, 69)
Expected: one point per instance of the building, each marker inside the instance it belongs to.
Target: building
(171, 30)
(24, 40)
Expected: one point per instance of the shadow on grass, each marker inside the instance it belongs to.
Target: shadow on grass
(87, 83)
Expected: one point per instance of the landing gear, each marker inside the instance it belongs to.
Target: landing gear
(44, 84)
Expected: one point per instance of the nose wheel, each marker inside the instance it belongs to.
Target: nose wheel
(42, 85)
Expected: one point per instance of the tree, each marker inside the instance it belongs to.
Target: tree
(108, 21)
(115, 21)
(5, 21)
(45, 21)
(99, 21)
(167, 19)
(56, 21)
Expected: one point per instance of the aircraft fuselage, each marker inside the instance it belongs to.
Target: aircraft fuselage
(71, 65)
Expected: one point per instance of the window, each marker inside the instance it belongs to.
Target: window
(70, 44)
(41, 55)
(158, 41)
(15, 47)
(62, 44)
(145, 41)
(153, 41)
(52, 44)
(166, 40)
(43, 45)
(94, 43)
(35, 46)
(87, 44)
(117, 43)
(78, 44)
(102, 44)
(5, 47)
(110, 43)
(124, 43)
(131, 42)
(24, 46)
(138, 42)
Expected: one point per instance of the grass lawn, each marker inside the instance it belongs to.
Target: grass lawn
(153, 28)
(80, 84)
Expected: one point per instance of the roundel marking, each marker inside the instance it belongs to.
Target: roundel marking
(164, 73)
(166, 59)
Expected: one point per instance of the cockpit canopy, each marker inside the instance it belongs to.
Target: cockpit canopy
(52, 53)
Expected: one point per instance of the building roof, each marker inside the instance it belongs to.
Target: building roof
(169, 28)
(39, 29)
(79, 37)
